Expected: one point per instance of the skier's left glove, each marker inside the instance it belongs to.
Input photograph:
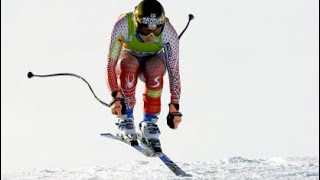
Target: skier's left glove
(174, 116)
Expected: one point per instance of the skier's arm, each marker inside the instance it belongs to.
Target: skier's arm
(171, 45)
(119, 33)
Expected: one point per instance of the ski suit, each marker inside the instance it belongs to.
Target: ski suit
(129, 58)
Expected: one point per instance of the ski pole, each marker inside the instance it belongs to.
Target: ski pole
(191, 17)
(31, 75)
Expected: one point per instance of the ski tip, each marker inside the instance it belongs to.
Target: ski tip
(186, 175)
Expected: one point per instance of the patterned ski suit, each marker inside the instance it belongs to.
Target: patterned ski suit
(130, 58)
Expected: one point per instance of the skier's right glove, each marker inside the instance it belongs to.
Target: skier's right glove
(174, 116)
(117, 106)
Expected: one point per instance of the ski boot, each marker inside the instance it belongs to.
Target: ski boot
(149, 133)
(127, 130)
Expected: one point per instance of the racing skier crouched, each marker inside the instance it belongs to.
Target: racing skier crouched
(144, 45)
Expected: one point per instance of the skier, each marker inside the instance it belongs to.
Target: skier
(144, 45)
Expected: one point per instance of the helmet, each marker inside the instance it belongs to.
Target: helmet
(149, 17)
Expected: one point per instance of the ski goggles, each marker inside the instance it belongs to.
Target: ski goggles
(144, 29)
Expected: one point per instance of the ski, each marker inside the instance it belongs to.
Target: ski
(145, 150)
(173, 166)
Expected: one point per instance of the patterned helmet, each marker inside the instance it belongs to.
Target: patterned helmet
(149, 17)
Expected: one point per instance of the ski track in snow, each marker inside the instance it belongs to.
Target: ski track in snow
(232, 168)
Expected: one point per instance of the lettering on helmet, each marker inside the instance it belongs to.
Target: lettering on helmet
(116, 48)
(152, 21)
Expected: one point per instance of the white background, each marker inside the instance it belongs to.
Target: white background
(249, 69)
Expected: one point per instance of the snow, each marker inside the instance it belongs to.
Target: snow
(250, 87)
(229, 168)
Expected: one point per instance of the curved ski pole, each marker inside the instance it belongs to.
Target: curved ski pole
(30, 75)
(191, 17)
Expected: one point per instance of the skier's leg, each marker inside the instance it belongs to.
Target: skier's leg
(128, 70)
(154, 70)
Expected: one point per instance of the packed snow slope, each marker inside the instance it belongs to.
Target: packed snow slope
(232, 168)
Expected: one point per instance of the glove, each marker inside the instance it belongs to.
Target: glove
(117, 106)
(174, 116)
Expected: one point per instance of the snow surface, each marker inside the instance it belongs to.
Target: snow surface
(227, 169)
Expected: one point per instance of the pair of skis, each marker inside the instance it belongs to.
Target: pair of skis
(145, 150)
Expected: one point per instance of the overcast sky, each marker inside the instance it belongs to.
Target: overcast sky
(249, 70)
